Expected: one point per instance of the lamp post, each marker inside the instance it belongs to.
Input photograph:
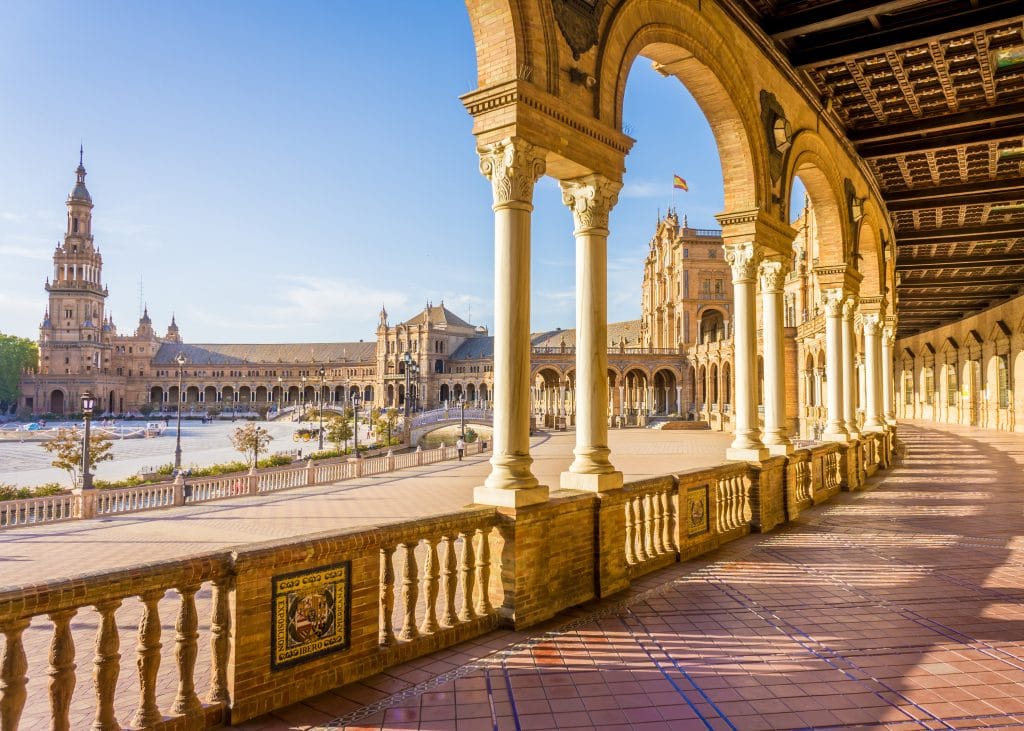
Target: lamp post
(355, 423)
(323, 374)
(88, 404)
(408, 372)
(180, 360)
(462, 417)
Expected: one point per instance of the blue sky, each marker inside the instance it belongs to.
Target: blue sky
(274, 172)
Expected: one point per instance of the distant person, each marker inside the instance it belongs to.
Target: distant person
(460, 447)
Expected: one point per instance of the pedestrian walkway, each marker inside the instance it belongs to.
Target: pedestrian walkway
(899, 607)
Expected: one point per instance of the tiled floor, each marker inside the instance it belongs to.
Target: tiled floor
(898, 608)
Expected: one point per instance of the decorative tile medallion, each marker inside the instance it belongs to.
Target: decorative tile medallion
(697, 522)
(310, 614)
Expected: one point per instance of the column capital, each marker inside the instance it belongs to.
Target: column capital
(773, 275)
(889, 336)
(744, 259)
(513, 166)
(832, 300)
(850, 307)
(590, 198)
(871, 325)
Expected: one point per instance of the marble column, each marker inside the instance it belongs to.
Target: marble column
(835, 425)
(872, 375)
(849, 373)
(744, 260)
(679, 399)
(513, 167)
(622, 399)
(773, 280)
(888, 341)
(591, 199)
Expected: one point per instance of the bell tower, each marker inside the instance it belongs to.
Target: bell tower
(71, 340)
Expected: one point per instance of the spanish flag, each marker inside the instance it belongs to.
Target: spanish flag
(678, 182)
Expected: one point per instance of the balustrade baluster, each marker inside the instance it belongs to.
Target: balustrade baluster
(185, 651)
(483, 574)
(659, 547)
(220, 641)
(430, 574)
(13, 675)
(630, 532)
(648, 527)
(666, 526)
(449, 617)
(106, 666)
(641, 529)
(467, 570)
(148, 662)
(409, 592)
(62, 669)
(386, 598)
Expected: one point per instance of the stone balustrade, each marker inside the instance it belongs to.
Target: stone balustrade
(404, 590)
(55, 508)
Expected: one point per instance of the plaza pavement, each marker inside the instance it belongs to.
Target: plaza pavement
(899, 607)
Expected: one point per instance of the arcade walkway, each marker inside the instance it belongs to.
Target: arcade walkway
(899, 608)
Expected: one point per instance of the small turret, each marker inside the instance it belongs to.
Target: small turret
(173, 334)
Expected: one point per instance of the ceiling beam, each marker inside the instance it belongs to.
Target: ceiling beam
(988, 232)
(981, 191)
(852, 45)
(1002, 132)
(945, 297)
(1010, 113)
(974, 280)
(961, 262)
(826, 17)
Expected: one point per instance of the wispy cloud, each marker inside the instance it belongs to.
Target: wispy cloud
(644, 189)
(11, 217)
(25, 252)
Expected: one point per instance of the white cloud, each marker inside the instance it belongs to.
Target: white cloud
(25, 252)
(12, 217)
(643, 189)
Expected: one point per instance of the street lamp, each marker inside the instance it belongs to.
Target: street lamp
(180, 359)
(462, 417)
(323, 374)
(355, 422)
(408, 372)
(88, 404)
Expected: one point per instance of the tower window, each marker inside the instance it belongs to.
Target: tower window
(69, 313)
(74, 225)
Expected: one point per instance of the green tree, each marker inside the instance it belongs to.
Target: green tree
(385, 423)
(338, 431)
(147, 408)
(250, 440)
(66, 448)
(16, 354)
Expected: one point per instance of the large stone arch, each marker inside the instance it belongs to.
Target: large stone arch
(685, 42)
(810, 159)
(871, 262)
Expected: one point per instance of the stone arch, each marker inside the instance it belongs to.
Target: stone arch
(368, 394)
(727, 383)
(58, 402)
(711, 325)
(713, 383)
(156, 395)
(444, 393)
(686, 43)
(210, 394)
(665, 382)
(871, 261)
(810, 160)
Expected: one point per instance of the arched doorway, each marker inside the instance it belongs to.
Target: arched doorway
(57, 402)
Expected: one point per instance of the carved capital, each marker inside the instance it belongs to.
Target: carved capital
(889, 337)
(850, 307)
(773, 275)
(832, 301)
(512, 166)
(744, 260)
(871, 325)
(591, 199)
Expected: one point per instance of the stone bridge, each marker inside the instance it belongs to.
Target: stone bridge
(428, 421)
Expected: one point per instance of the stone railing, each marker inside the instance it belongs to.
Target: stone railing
(120, 501)
(48, 509)
(95, 600)
(372, 598)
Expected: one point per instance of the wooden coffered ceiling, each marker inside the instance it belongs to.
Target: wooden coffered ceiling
(931, 94)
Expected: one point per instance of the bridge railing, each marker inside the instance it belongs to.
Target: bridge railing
(435, 416)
